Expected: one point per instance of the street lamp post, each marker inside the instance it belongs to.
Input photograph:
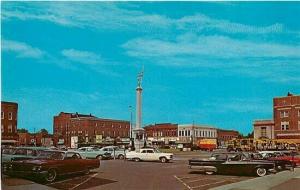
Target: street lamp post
(130, 130)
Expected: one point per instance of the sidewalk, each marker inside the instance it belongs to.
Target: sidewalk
(281, 181)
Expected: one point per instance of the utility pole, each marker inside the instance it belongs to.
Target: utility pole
(193, 131)
(34, 136)
(130, 130)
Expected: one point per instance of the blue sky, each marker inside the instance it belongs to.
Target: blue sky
(214, 63)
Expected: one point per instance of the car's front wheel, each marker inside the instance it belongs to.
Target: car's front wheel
(163, 159)
(87, 171)
(100, 157)
(136, 159)
(261, 171)
(209, 172)
(51, 175)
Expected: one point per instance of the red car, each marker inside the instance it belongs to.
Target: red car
(50, 164)
(293, 157)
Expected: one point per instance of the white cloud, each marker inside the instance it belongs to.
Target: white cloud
(108, 15)
(209, 46)
(201, 22)
(271, 62)
(97, 15)
(85, 57)
(21, 49)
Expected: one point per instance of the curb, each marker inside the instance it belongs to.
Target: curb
(262, 183)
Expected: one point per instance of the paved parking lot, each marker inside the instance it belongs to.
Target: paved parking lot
(120, 174)
(201, 182)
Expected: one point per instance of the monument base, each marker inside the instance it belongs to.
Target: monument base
(139, 138)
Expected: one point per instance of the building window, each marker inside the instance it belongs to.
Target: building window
(189, 133)
(2, 128)
(263, 131)
(298, 113)
(2, 115)
(299, 125)
(10, 128)
(10, 115)
(285, 125)
(284, 114)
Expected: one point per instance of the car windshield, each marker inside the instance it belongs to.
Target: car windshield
(218, 157)
(156, 151)
(51, 155)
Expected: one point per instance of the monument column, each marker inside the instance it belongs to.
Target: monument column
(138, 132)
(139, 107)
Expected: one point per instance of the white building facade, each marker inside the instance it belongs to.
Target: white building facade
(188, 133)
(263, 129)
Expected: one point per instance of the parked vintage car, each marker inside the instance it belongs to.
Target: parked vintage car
(115, 151)
(292, 157)
(20, 153)
(50, 164)
(280, 164)
(232, 163)
(94, 152)
(149, 154)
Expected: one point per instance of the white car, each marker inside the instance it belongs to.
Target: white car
(149, 154)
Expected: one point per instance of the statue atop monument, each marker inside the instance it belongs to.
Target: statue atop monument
(140, 78)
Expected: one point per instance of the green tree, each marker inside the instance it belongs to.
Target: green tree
(250, 135)
(22, 130)
(44, 131)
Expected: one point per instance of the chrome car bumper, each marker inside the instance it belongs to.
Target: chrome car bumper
(203, 168)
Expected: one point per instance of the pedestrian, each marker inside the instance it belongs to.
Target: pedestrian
(293, 161)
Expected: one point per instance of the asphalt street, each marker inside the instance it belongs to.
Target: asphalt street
(120, 174)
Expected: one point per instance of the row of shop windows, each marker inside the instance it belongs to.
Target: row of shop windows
(10, 115)
(286, 114)
(164, 134)
(285, 125)
(9, 128)
(103, 133)
(197, 133)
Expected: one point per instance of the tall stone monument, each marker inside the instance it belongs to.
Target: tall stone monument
(138, 132)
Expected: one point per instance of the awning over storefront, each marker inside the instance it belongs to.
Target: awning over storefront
(9, 141)
(289, 141)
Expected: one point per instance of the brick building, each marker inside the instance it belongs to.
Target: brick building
(263, 129)
(24, 139)
(285, 126)
(35, 139)
(286, 113)
(9, 123)
(223, 136)
(81, 128)
(162, 133)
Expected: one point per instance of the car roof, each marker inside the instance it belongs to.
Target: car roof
(109, 146)
(147, 148)
(63, 151)
(32, 147)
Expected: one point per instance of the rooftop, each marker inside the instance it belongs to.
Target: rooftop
(197, 125)
(263, 121)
